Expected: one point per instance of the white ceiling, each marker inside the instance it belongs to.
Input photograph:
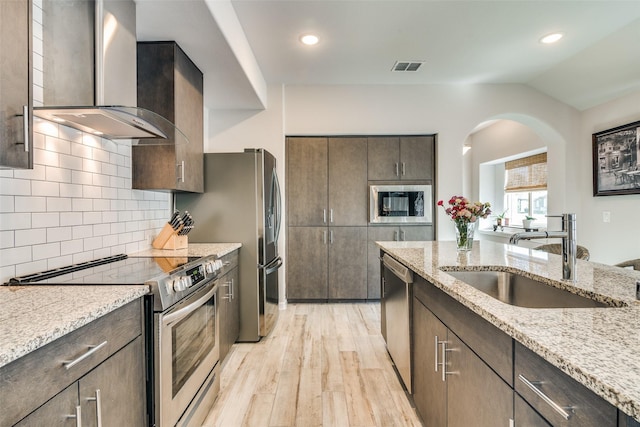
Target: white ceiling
(461, 42)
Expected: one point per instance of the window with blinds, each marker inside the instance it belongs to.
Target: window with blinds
(526, 174)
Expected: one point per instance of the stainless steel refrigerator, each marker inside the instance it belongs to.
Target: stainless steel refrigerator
(242, 203)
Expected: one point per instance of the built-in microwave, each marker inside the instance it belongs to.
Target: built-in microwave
(400, 204)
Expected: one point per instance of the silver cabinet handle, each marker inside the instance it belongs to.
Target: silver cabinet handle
(444, 361)
(92, 349)
(403, 168)
(436, 354)
(25, 119)
(402, 236)
(532, 385)
(331, 216)
(324, 237)
(228, 286)
(331, 237)
(98, 401)
(395, 236)
(324, 216)
(77, 416)
(397, 171)
(233, 290)
(180, 177)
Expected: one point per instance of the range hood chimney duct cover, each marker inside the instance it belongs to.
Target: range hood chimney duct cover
(115, 122)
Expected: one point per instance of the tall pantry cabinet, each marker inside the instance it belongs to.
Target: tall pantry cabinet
(331, 250)
(326, 218)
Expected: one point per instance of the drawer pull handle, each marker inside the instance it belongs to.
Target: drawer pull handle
(77, 416)
(559, 409)
(92, 349)
(98, 400)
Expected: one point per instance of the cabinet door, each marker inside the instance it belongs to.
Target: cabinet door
(525, 416)
(233, 320)
(429, 391)
(307, 258)
(223, 296)
(376, 234)
(117, 387)
(476, 395)
(417, 157)
(306, 178)
(15, 84)
(383, 154)
(348, 193)
(58, 412)
(347, 262)
(416, 233)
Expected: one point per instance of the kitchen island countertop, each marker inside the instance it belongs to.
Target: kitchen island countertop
(599, 347)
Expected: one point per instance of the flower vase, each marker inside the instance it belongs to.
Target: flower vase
(464, 235)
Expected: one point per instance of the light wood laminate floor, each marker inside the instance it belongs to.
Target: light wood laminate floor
(322, 365)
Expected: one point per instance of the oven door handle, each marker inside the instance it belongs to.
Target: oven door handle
(180, 314)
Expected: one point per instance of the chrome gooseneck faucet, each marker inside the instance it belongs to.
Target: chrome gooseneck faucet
(569, 245)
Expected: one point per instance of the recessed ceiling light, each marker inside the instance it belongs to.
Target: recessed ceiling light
(309, 39)
(551, 38)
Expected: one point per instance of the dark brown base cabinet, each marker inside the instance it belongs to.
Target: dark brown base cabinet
(452, 385)
(466, 372)
(37, 389)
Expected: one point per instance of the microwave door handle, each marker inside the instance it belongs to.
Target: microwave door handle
(180, 314)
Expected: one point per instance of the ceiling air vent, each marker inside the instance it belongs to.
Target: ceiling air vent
(407, 66)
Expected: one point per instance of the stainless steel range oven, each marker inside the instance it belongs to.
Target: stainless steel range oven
(186, 351)
(182, 337)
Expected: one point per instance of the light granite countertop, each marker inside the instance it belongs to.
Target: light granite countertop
(599, 347)
(33, 316)
(194, 249)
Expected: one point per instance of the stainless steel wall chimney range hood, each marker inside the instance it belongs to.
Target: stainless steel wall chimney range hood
(91, 83)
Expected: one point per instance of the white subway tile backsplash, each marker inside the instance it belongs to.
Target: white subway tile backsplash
(58, 234)
(70, 190)
(46, 219)
(79, 177)
(14, 221)
(30, 204)
(78, 197)
(70, 218)
(7, 204)
(16, 255)
(58, 174)
(82, 232)
(91, 217)
(7, 239)
(45, 188)
(47, 250)
(81, 205)
(92, 243)
(44, 157)
(57, 144)
(91, 191)
(70, 162)
(58, 204)
(71, 247)
(12, 186)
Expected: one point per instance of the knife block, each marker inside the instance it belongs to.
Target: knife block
(168, 239)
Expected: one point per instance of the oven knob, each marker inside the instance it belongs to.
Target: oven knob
(209, 267)
(180, 284)
(219, 264)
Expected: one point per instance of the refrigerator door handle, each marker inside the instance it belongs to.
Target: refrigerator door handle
(278, 205)
(272, 266)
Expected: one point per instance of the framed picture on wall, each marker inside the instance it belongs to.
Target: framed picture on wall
(616, 161)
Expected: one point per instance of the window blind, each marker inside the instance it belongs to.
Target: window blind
(526, 174)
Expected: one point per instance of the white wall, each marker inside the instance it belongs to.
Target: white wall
(618, 240)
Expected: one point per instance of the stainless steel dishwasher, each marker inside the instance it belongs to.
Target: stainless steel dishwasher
(396, 315)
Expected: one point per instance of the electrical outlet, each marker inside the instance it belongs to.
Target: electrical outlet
(606, 216)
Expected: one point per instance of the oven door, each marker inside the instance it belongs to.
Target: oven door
(186, 352)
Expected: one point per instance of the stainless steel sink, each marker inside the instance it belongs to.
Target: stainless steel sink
(522, 291)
